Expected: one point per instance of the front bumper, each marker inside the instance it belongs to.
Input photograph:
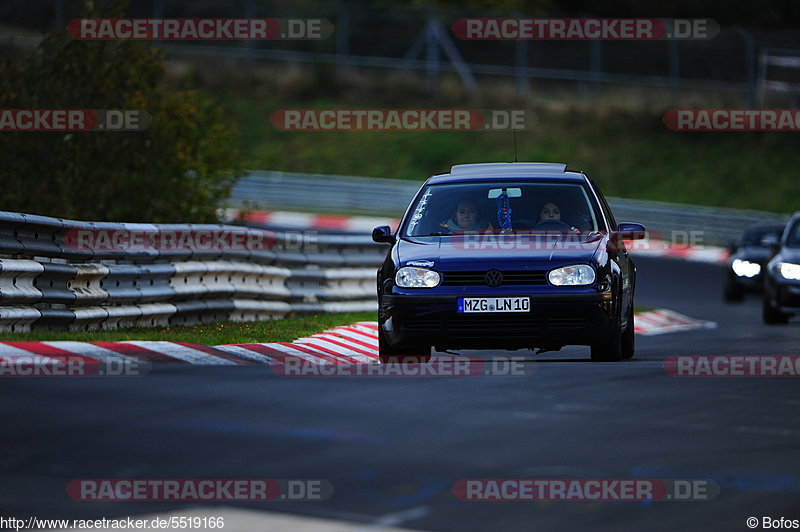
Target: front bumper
(788, 297)
(750, 284)
(554, 320)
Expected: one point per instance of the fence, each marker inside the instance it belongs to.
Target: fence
(403, 38)
(389, 197)
(47, 282)
(778, 72)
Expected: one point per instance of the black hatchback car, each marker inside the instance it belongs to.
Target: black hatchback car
(748, 257)
(507, 256)
(782, 277)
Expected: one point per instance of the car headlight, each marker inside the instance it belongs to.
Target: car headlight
(745, 268)
(412, 277)
(789, 270)
(580, 274)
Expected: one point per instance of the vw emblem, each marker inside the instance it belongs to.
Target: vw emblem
(493, 278)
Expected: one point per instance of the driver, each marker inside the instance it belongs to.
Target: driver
(466, 218)
(551, 212)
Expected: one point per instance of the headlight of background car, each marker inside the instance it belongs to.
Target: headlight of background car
(410, 277)
(789, 270)
(745, 268)
(579, 274)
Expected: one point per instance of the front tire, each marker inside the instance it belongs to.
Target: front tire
(609, 351)
(771, 314)
(629, 338)
(733, 293)
(401, 355)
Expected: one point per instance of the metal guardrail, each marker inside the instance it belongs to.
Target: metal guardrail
(363, 195)
(47, 282)
(29, 235)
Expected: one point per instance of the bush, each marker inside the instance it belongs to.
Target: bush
(177, 170)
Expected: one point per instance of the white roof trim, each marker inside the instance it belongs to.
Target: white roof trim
(508, 168)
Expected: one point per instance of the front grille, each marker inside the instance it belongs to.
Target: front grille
(510, 324)
(566, 323)
(422, 324)
(491, 326)
(504, 322)
(477, 278)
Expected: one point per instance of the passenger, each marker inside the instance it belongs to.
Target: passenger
(466, 218)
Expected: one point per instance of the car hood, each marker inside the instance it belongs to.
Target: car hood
(753, 254)
(788, 254)
(507, 252)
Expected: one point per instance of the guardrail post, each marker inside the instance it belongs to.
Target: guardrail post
(674, 71)
(521, 61)
(248, 44)
(750, 67)
(431, 57)
(596, 65)
(342, 36)
(59, 19)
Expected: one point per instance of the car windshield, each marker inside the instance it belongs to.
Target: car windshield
(754, 236)
(523, 206)
(793, 238)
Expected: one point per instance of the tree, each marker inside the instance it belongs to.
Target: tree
(177, 170)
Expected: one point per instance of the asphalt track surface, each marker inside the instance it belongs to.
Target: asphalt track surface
(393, 447)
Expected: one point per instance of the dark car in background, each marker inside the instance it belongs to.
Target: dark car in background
(507, 256)
(748, 259)
(782, 277)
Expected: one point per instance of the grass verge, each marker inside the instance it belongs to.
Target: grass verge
(630, 154)
(228, 332)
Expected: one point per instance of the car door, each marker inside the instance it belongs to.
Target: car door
(618, 253)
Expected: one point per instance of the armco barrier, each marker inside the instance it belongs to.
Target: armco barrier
(287, 191)
(49, 282)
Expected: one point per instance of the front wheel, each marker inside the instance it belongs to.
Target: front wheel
(733, 293)
(402, 355)
(609, 351)
(771, 314)
(629, 338)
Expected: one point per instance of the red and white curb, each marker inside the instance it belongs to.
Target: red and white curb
(663, 321)
(348, 344)
(356, 343)
(651, 247)
(308, 221)
(663, 249)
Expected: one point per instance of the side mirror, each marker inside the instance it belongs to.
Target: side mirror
(771, 242)
(775, 247)
(631, 231)
(383, 234)
(732, 246)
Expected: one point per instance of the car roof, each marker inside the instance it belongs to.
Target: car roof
(766, 226)
(462, 173)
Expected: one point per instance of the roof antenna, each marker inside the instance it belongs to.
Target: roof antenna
(514, 131)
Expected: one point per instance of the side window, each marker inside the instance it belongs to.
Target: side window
(793, 235)
(604, 206)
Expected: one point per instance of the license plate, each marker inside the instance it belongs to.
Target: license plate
(494, 304)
